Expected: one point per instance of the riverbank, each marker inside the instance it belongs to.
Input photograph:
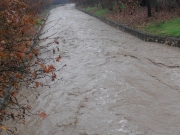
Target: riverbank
(162, 23)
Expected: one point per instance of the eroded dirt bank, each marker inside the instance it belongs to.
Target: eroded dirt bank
(113, 84)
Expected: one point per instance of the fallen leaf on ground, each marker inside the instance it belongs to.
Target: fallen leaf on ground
(13, 94)
(29, 107)
(58, 58)
(4, 128)
(42, 115)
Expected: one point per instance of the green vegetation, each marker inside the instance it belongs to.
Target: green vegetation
(38, 23)
(97, 10)
(41, 16)
(123, 6)
(91, 8)
(101, 12)
(165, 28)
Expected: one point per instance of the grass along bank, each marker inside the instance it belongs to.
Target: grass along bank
(97, 11)
(164, 28)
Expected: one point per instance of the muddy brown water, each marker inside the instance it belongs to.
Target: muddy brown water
(113, 84)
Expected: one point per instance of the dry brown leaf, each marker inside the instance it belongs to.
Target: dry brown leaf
(42, 115)
(4, 128)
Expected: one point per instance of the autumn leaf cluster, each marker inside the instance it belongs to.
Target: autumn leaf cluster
(20, 64)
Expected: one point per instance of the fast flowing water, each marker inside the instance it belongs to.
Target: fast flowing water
(113, 84)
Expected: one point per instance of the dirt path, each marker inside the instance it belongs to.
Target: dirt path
(113, 84)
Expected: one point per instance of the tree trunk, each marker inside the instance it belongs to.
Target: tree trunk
(149, 8)
(101, 3)
(156, 6)
(178, 2)
(111, 5)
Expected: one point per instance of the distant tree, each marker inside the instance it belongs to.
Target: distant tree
(178, 2)
(149, 8)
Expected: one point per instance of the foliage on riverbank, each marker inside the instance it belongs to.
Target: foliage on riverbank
(21, 66)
